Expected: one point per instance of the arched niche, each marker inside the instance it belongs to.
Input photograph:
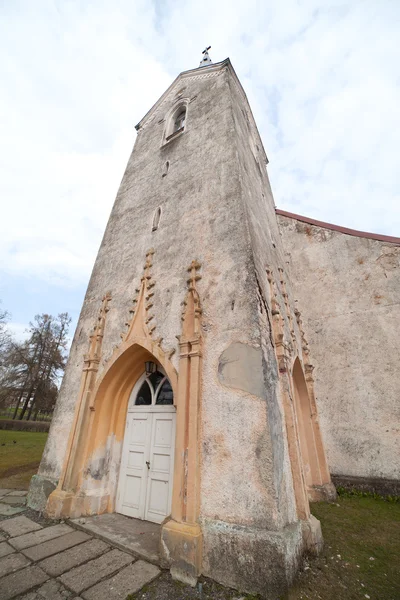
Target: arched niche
(305, 428)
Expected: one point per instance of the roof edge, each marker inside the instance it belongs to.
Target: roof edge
(182, 75)
(345, 230)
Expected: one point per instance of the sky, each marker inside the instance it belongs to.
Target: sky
(322, 78)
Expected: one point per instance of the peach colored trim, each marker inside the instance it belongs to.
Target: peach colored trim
(345, 230)
(285, 384)
(181, 535)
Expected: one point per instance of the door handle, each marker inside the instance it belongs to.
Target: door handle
(148, 464)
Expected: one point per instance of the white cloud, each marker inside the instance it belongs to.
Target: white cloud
(76, 77)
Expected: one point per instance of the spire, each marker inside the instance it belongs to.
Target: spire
(206, 60)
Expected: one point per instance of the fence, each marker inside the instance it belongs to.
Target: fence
(16, 425)
(8, 413)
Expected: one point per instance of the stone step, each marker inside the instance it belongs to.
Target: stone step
(19, 526)
(83, 577)
(37, 537)
(56, 545)
(67, 560)
(128, 581)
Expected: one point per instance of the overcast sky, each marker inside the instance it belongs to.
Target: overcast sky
(322, 77)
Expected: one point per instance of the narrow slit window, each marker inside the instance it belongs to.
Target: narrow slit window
(156, 219)
(166, 169)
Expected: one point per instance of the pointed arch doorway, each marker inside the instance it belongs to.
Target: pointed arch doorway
(147, 461)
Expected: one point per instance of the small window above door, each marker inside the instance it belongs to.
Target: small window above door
(155, 390)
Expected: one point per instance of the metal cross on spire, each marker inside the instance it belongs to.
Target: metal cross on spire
(206, 60)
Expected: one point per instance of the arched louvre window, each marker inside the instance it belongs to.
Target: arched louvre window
(156, 389)
(180, 121)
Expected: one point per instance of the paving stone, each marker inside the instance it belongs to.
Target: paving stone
(21, 582)
(7, 511)
(128, 581)
(51, 590)
(12, 562)
(19, 526)
(5, 549)
(4, 491)
(13, 500)
(17, 493)
(57, 545)
(37, 537)
(87, 575)
(58, 564)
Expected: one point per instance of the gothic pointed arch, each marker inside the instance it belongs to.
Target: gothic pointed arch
(87, 482)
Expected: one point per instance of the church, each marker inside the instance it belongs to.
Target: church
(228, 357)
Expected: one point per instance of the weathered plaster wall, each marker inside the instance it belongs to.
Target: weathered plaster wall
(204, 208)
(348, 291)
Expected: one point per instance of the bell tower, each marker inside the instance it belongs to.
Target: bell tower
(190, 279)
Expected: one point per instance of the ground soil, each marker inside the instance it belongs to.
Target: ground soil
(360, 559)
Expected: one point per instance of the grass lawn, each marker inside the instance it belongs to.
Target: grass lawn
(20, 454)
(361, 557)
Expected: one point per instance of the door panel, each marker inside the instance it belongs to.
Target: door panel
(159, 485)
(131, 494)
(145, 493)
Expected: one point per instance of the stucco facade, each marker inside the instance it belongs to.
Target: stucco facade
(347, 284)
(191, 271)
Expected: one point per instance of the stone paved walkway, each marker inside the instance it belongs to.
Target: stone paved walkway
(58, 562)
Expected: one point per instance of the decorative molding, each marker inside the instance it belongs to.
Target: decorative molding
(308, 367)
(282, 349)
(140, 324)
(192, 311)
(181, 536)
(171, 91)
(285, 296)
(69, 476)
(92, 358)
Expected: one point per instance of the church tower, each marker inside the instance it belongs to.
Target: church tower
(188, 396)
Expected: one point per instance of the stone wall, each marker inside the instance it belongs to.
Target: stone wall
(347, 287)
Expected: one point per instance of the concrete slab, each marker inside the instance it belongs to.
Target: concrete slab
(56, 545)
(19, 526)
(64, 561)
(17, 493)
(12, 562)
(128, 581)
(5, 549)
(37, 537)
(13, 500)
(21, 582)
(7, 511)
(141, 538)
(83, 577)
(4, 491)
(51, 590)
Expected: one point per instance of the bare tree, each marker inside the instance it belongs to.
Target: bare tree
(30, 371)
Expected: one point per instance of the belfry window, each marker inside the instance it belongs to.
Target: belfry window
(176, 122)
(180, 121)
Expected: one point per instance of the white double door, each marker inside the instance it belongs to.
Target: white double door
(147, 463)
